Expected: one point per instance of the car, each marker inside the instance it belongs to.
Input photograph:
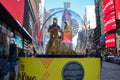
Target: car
(109, 57)
(117, 60)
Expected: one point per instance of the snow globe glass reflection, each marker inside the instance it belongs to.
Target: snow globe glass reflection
(59, 31)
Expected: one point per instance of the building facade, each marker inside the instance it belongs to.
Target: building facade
(19, 19)
(90, 16)
(107, 14)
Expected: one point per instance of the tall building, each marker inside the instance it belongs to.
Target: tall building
(66, 15)
(81, 42)
(46, 23)
(90, 20)
(90, 16)
(108, 23)
(66, 5)
(99, 29)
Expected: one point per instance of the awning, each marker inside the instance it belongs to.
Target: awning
(102, 40)
(9, 20)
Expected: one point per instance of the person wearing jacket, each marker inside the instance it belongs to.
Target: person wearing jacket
(4, 52)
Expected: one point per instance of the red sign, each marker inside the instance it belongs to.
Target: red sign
(109, 22)
(108, 6)
(67, 37)
(15, 8)
(117, 6)
(110, 41)
(39, 32)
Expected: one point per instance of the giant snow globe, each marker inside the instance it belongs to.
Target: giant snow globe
(59, 31)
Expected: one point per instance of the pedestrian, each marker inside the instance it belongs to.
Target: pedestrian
(4, 52)
(12, 59)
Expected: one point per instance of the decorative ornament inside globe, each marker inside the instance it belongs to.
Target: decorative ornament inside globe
(59, 31)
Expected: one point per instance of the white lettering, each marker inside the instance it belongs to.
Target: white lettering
(107, 5)
(110, 40)
(109, 22)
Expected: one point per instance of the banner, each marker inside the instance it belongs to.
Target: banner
(110, 41)
(15, 8)
(59, 69)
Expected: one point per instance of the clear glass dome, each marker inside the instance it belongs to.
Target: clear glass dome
(68, 37)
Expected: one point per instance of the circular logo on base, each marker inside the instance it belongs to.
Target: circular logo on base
(73, 70)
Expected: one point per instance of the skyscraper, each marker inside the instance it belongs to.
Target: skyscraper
(90, 16)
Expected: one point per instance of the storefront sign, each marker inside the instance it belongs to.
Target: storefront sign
(109, 22)
(15, 8)
(59, 69)
(110, 40)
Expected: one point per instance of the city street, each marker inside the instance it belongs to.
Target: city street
(110, 71)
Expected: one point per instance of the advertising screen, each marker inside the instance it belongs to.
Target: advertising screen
(15, 8)
(110, 41)
(67, 37)
(108, 6)
(109, 22)
(117, 6)
(19, 41)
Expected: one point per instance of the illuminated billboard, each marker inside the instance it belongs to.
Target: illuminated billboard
(117, 7)
(19, 41)
(110, 41)
(109, 22)
(67, 37)
(108, 6)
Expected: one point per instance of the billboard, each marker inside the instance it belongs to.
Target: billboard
(108, 6)
(109, 22)
(39, 33)
(117, 7)
(15, 8)
(110, 41)
(19, 41)
(59, 69)
(67, 37)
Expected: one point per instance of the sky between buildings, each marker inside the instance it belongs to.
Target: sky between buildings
(78, 6)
